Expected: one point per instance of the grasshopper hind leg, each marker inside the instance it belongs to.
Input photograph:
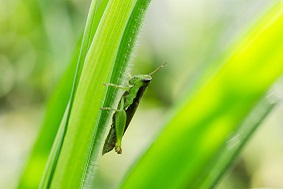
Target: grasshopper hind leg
(110, 141)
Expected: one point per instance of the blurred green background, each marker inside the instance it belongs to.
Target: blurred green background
(37, 39)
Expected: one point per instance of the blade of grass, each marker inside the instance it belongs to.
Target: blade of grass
(54, 154)
(201, 125)
(57, 104)
(58, 143)
(89, 32)
(74, 156)
(236, 142)
(123, 57)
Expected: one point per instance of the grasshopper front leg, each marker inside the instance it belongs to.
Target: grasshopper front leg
(125, 88)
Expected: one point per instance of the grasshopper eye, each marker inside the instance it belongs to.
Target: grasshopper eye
(146, 80)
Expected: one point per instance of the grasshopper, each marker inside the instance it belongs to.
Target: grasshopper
(126, 109)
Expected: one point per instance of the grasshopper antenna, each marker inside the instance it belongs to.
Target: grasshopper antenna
(161, 66)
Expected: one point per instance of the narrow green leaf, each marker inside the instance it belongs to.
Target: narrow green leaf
(58, 143)
(54, 154)
(56, 106)
(121, 62)
(76, 150)
(190, 143)
(236, 141)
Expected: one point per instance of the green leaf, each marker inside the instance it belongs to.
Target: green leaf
(122, 60)
(56, 106)
(110, 33)
(187, 151)
(112, 43)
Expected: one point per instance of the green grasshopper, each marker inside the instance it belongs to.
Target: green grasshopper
(126, 109)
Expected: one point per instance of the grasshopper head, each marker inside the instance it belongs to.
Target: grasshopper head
(144, 78)
(140, 78)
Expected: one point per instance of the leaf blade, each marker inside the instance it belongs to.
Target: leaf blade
(203, 122)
